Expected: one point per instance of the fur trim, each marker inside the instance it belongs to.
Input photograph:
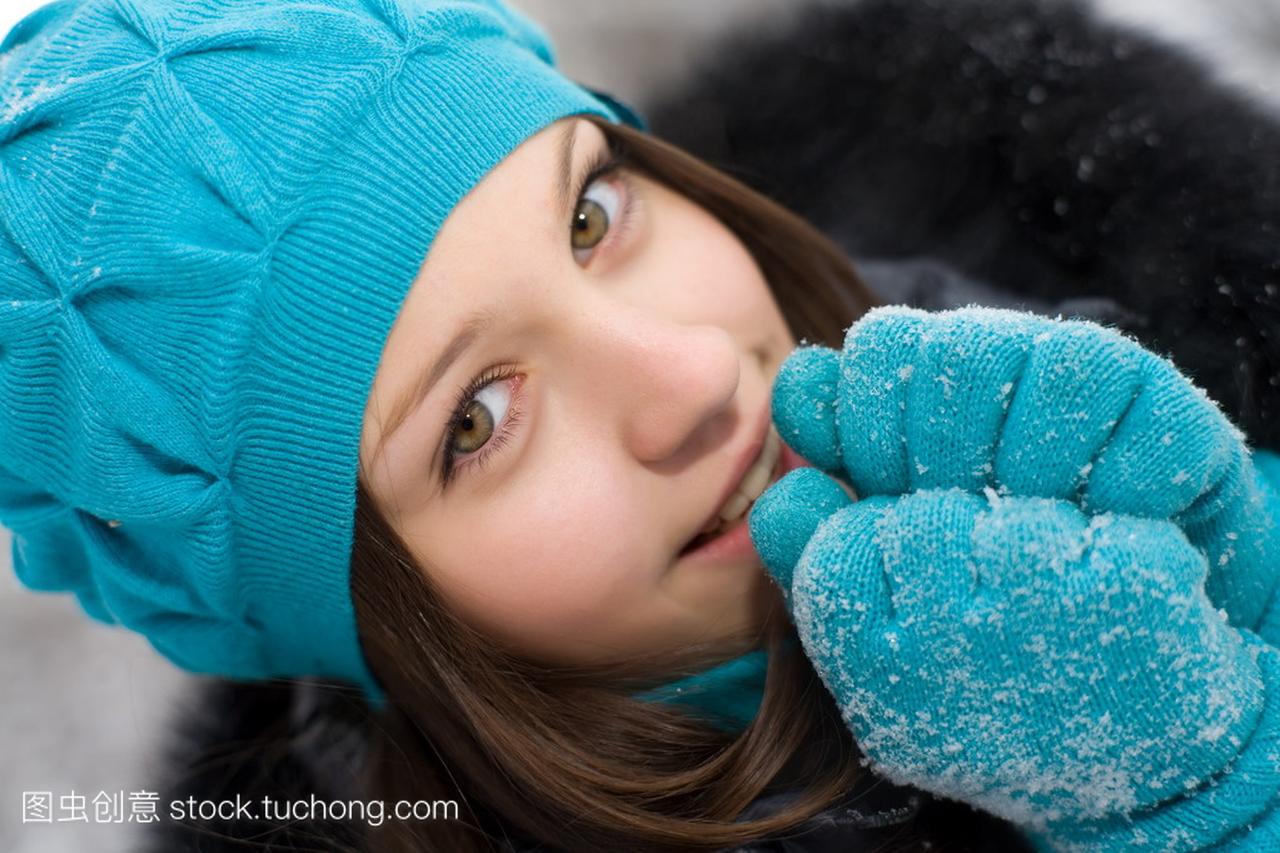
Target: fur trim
(1026, 144)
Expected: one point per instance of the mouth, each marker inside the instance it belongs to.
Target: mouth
(767, 468)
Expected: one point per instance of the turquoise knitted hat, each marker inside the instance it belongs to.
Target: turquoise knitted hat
(210, 213)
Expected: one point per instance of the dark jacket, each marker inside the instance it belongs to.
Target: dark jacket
(1018, 154)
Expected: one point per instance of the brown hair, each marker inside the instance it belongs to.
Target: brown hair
(565, 756)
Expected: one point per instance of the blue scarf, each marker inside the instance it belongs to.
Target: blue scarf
(729, 693)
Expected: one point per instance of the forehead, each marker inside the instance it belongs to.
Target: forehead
(502, 229)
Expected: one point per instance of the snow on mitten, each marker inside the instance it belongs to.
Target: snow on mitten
(991, 397)
(1065, 672)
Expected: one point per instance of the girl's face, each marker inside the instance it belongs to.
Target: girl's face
(608, 398)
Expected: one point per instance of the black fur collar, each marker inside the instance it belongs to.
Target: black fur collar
(1027, 145)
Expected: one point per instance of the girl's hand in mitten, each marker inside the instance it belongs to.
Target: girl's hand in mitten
(1068, 409)
(1062, 671)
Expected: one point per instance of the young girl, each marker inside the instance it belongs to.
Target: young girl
(351, 341)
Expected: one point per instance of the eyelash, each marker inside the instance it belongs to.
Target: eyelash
(611, 163)
(604, 162)
(499, 373)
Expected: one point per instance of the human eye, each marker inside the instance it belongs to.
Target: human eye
(473, 425)
(605, 205)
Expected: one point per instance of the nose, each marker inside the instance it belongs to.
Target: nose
(666, 380)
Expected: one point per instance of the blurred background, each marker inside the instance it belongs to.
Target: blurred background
(83, 704)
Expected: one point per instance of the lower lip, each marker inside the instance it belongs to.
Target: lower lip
(735, 543)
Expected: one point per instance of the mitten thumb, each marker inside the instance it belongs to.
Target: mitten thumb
(784, 518)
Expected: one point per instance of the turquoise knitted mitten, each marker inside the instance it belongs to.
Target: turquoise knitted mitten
(1267, 465)
(985, 397)
(1065, 672)
(1016, 614)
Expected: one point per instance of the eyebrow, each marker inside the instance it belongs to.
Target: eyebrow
(480, 321)
(567, 137)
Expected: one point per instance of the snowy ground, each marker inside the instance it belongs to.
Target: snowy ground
(83, 702)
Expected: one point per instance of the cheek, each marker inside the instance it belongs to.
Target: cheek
(554, 557)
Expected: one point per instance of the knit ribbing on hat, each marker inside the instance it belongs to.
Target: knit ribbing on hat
(210, 213)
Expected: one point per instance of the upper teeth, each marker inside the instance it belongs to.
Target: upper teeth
(753, 482)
